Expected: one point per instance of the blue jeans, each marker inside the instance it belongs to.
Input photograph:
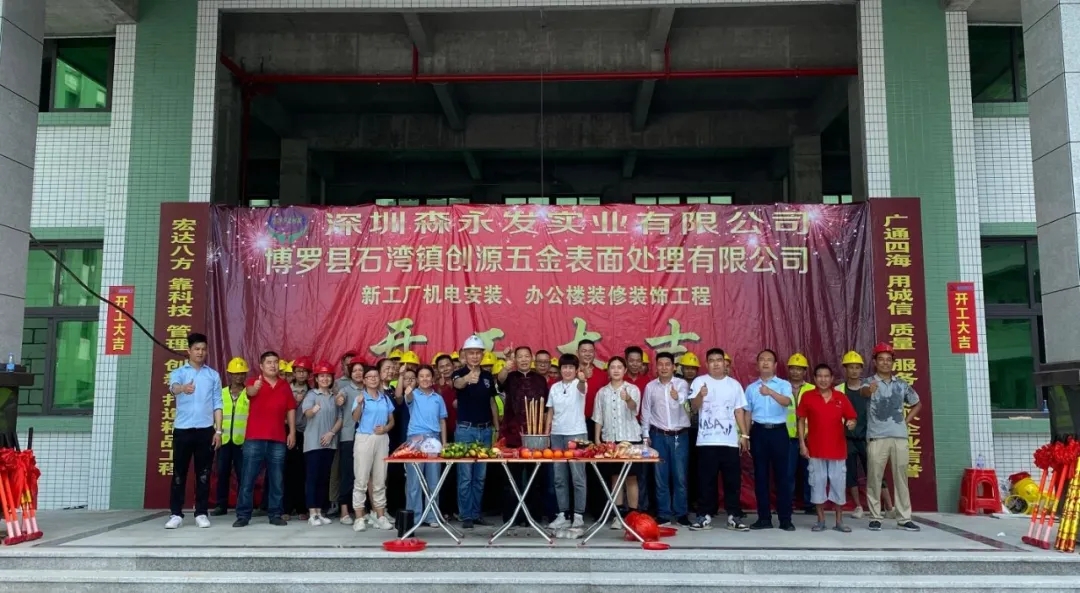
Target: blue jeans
(674, 453)
(272, 453)
(470, 476)
(800, 466)
(414, 494)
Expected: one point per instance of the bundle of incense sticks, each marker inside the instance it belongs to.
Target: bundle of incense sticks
(534, 416)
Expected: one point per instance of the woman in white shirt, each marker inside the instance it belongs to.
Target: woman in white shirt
(615, 415)
(565, 423)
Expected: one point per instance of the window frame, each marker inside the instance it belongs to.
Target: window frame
(1016, 43)
(55, 315)
(49, 57)
(1031, 311)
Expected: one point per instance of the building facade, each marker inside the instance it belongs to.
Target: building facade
(965, 105)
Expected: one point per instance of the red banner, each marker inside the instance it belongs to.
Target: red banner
(962, 324)
(119, 324)
(317, 282)
(900, 295)
(180, 308)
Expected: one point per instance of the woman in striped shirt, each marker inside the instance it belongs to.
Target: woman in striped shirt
(615, 415)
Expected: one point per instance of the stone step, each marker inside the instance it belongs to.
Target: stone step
(545, 560)
(92, 581)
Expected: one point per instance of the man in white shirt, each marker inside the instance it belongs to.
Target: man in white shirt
(723, 435)
(666, 428)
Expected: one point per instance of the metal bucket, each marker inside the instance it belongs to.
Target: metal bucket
(535, 441)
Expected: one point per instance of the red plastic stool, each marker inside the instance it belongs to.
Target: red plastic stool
(972, 502)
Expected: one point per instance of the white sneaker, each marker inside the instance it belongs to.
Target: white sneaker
(560, 522)
(314, 521)
(325, 520)
(174, 522)
(383, 523)
(347, 520)
(615, 524)
(202, 521)
(579, 522)
(360, 525)
(370, 519)
(857, 513)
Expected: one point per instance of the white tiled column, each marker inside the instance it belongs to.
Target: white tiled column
(112, 271)
(22, 26)
(968, 237)
(874, 124)
(202, 115)
(1052, 48)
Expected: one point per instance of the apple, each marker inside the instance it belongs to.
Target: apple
(571, 445)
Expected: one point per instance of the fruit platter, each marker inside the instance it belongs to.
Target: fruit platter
(583, 450)
(469, 451)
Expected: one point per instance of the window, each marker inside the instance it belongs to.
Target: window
(844, 199)
(61, 330)
(558, 200)
(997, 64)
(428, 201)
(76, 74)
(1013, 322)
(676, 200)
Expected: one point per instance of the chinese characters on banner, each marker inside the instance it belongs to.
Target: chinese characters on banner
(180, 309)
(900, 297)
(962, 324)
(119, 343)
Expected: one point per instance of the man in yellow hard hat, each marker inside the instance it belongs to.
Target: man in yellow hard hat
(234, 412)
(456, 360)
(856, 437)
(797, 367)
(690, 366)
(410, 361)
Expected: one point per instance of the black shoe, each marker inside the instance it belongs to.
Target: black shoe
(467, 524)
(684, 521)
(761, 524)
(278, 521)
(787, 526)
(241, 523)
(218, 511)
(875, 526)
(909, 526)
(481, 523)
(663, 522)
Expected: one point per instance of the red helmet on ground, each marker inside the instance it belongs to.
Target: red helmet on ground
(882, 348)
(323, 367)
(303, 362)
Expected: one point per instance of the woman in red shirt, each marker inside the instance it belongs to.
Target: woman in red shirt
(823, 415)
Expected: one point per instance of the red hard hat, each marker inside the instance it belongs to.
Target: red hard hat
(882, 347)
(303, 362)
(323, 367)
(351, 353)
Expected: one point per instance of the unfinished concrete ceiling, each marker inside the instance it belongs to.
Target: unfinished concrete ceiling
(80, 18)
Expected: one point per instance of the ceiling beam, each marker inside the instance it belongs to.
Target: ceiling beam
(473, 165)
(455, 117)
(655, 41)
(419, 36)
(425, 46)
(629, 161)
(957, 5)
(271, 112)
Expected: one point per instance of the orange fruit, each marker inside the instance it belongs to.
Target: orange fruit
(549, 454)
(557, 454)
(526, 454)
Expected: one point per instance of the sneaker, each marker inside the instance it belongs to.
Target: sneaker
(314, 521)
(736, 524)
(334, 509)
(174, 522)
(909, 526)
(202, 521)
(327, 520)
(761, 524)
(347, 520)
(467, 524)
(383, 523)
(433, 524)
(241, 523)
(278, 522)
(684, 521)
(857, 513)
(663, 522)
(218, 512)
(875, 526)
(560, 522)
(481, 522)
(787, 526)
(579, 522)
(360, 524)
(703, 523)
(616, 524)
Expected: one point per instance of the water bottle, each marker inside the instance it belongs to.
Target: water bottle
(11, 362)
(980, 463)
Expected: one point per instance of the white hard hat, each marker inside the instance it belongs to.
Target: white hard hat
(473, 343)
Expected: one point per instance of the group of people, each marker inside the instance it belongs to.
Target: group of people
(321, 436)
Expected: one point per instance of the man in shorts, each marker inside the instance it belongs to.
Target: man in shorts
(823, 414)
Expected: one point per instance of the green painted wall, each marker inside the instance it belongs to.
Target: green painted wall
(159, 172)
(921, 164)
(74, 118)
(1007, 229)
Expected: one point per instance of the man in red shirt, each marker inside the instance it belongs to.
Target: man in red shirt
(271, 402)
(823, 415)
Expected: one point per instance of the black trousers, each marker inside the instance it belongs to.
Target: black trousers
(769, 446)
(295, 479)
(230, 460)
(188, 444)
(714, 464)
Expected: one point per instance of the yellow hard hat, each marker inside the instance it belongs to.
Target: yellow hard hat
(689, 360)
(798, 360)
(238, 365)
(396, 354)
(852, 357)
(284, 366)
(454, 355)
(498, 367)
(645, 357)
(438, 355)
(727, 357)
(489, 359)
(409, 358)
(532, 365)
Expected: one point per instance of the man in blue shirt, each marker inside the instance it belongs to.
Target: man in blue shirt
(478, 417)
(196, 389)
(769, 398)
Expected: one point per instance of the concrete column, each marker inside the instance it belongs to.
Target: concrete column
(804, 169)
(857, 150)
(293, 186)
(1053, 73)
(22, 26)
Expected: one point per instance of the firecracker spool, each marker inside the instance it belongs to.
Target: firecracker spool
(1056, 461)
(1066, 537)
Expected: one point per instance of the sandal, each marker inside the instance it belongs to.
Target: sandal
(842, 529)
(818, 527)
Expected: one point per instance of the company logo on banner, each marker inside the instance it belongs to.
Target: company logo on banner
(900, 298)
(119, 343)
(963, 327)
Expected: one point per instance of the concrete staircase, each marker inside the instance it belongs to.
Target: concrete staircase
(528, 570)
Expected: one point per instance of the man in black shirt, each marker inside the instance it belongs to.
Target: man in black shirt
(478, 418)
(856, 437)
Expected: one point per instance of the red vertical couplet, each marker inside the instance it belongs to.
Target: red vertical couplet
(179, 308)
(119, 343)
(963, 328)
(900, 314)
